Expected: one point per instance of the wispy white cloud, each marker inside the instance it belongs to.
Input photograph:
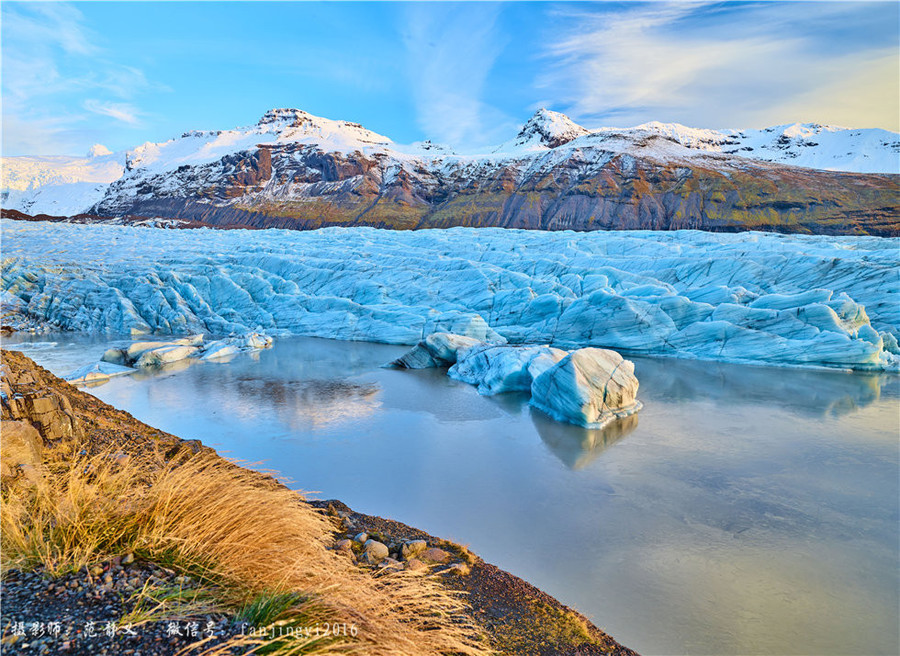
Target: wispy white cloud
(50, 24)
(119, 111)
(449, 53)
(719, 66)
(51, 61)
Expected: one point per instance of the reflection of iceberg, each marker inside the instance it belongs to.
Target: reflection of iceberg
(164, 369)
(296, 381)
(327, 401)
(575, 446)
(810, 392)
(307, 403)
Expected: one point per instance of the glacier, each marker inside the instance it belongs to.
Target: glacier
(746, 297)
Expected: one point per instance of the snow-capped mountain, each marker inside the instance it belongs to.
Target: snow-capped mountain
(59, 186)
(276, 127)
(546, 129)
(293, 169)
(801, 144)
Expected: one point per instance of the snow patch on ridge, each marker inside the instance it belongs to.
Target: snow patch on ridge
(277, 126)
(59, 186)
(810, 145)
(546, 129)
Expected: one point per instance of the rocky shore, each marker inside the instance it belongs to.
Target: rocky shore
(138, 603)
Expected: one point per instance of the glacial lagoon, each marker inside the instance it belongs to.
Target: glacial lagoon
(743, 510)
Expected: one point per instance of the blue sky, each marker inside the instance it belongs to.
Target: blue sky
(466, 74)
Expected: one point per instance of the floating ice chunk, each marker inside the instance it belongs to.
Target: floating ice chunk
(250, 342)
(98, 372)
(155, 357)
(140, 355)
(117, 356)
(590, 387)
(447, 346)
(132, 354)
(219, 349)
(418, 357)
(436, 350)
(495, 368)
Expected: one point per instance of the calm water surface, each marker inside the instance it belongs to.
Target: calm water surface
(744, 510)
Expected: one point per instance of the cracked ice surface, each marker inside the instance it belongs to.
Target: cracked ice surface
(756, 297)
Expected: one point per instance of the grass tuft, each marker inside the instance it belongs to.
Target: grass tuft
(257, 548)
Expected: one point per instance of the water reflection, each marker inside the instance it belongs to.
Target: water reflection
(814, 393)
(752, 510)
(311, 403)
(575, 446)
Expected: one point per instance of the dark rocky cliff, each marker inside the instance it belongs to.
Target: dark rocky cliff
(299, 186)
(295, 170)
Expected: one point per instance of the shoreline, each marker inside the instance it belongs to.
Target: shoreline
(515, 617)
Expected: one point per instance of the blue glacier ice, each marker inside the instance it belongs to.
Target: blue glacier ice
(747, 297)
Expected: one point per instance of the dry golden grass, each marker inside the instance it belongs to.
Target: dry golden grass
(255, 544)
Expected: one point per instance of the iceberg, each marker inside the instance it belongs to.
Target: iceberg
(98, 372)
(790, 300)
(589, 387)
(436, 350)
(496, 368)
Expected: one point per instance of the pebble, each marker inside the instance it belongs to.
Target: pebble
(393, 553)
(375, 551)
(391, 564)
(75, 599)
(435, 555)
(459, 568)
(413, 548)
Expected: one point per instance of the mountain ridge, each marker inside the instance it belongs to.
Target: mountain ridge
(294, 169)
